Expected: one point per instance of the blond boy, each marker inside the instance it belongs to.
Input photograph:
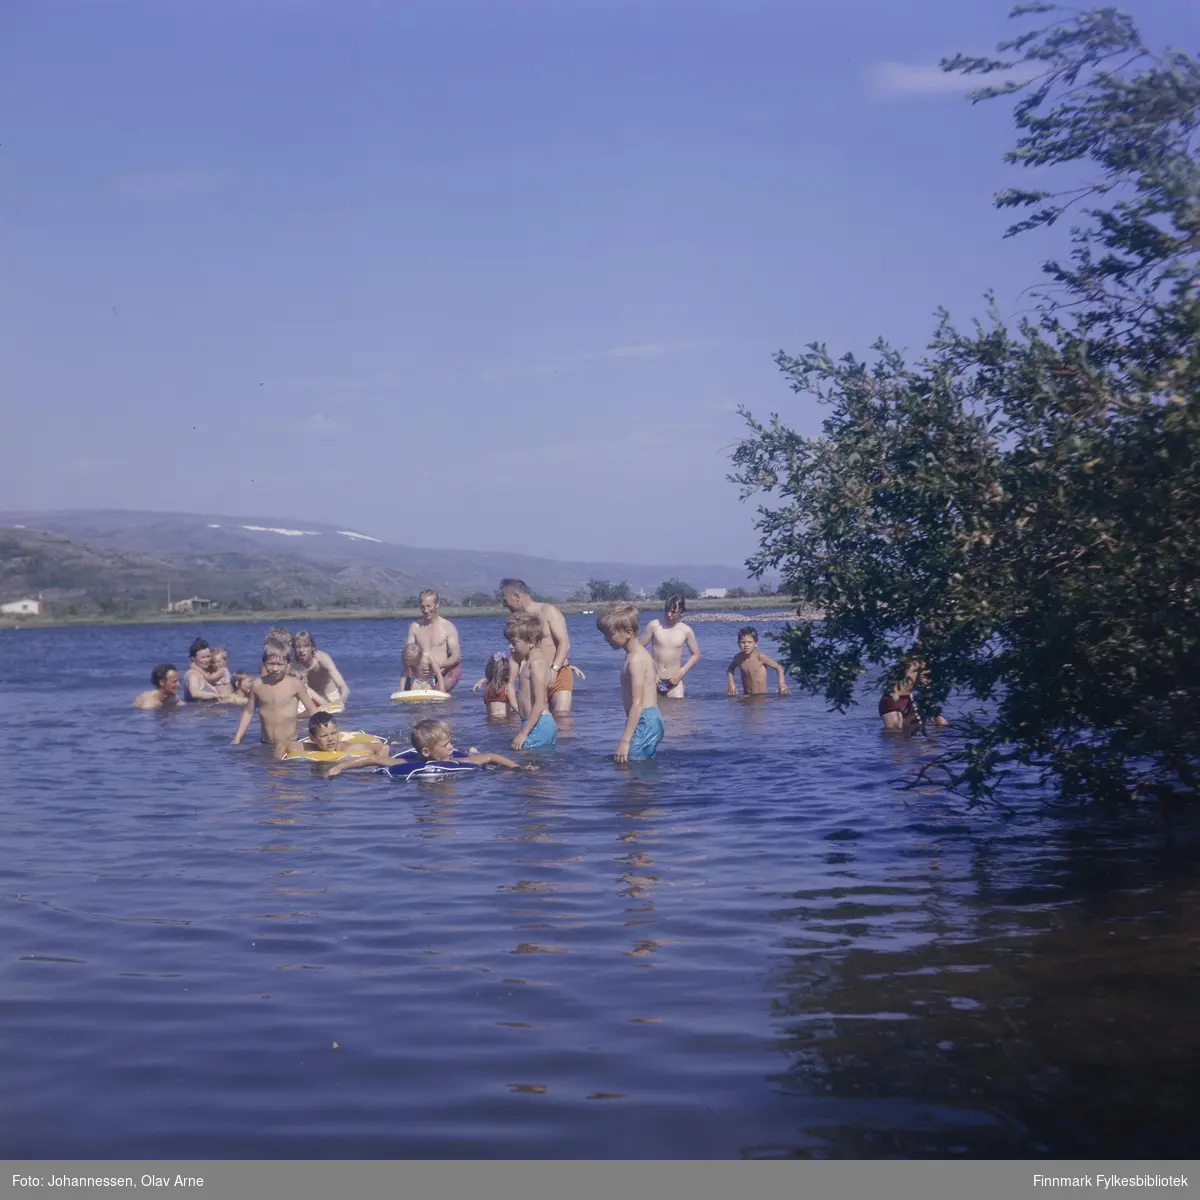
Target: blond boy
(532, 681)
(639, 684)
(275, 697)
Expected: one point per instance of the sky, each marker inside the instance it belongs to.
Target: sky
(482, 275)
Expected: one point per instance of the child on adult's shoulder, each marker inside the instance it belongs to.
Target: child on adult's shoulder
(753, 665)
(531, 682)
(275, 696)
(420, 671)
(324, 735)
(433, 742)
(164, 693)
(639, 684)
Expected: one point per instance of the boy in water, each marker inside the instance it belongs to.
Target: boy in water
(639, 690)
(164, 693)
(532, 681)
(666, 640)
(420, 671)
(324, 735)
(753, 665)
(275, 696)
(433, 742)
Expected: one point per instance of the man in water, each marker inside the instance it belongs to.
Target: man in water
(666, 640)
(437, 639)
(196, 685)
(555, 646)
(318, 670)
(164, 693)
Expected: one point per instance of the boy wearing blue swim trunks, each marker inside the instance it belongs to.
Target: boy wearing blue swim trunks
(538, 730)
(639, 684)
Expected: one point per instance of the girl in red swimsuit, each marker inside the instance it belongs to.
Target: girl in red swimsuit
(495, 686)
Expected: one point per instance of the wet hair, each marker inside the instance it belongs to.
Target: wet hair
(240, 677)
(621, 617)
(675, 602)
(429, 592)
(426, 733)
(274, 650)
(747, 631)
(319, 720)
(496, 671)
(195, 648)
(160, 673)
(525, 626)
(302, 635)
(278, 636)
(515, 585)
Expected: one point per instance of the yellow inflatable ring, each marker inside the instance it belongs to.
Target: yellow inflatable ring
(414, 694)
(348, 736)
(351, 740)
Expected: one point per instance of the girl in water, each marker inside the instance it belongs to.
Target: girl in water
(495, 686)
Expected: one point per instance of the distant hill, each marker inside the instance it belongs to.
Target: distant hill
(101, 559)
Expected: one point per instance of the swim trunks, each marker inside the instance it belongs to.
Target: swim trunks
(647, 734)
(451, 677)
(564, 681)
(543, 735)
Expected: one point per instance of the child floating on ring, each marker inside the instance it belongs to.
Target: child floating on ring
(434, 750)
(325, 738)
(639, 684)
(752, 664)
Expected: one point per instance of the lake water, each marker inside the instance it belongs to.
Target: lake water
(756, 945)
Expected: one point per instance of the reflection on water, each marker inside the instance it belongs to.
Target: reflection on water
(755, 945)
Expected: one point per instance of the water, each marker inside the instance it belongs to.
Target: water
(754, 946)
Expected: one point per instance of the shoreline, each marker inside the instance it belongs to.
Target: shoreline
(775, 608)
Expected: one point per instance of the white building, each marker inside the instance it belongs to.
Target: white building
(22, 608)
(714, 593)
(192, 604)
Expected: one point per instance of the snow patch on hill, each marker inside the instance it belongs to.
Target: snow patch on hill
(362, 537)
(285, 532)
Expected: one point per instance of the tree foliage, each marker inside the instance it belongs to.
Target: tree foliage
(676, 587)
(1021, 508)
(604, 590)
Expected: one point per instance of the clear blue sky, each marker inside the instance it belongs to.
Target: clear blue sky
(487, 275)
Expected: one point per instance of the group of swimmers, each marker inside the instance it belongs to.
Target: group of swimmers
(534, 680)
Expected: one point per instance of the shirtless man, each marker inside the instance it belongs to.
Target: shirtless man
(665, 640)
(196, 685)
(318, 670)
(164, 693)
(555, 646)
(275, 696)
(438, 639)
